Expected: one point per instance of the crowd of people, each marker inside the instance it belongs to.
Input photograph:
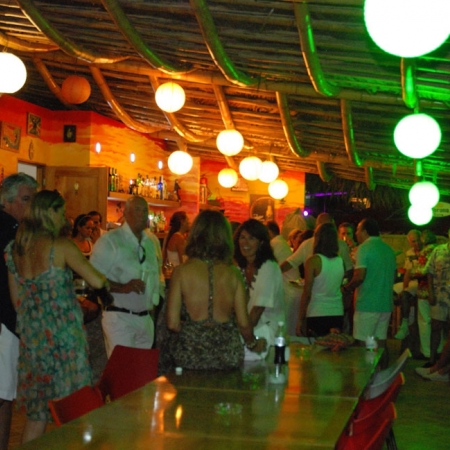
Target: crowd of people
(220, 304)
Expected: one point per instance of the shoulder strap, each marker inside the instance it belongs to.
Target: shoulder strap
(211, 289)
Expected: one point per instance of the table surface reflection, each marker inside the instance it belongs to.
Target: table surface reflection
(181, 411)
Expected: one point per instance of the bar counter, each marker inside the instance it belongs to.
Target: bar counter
(241, 409)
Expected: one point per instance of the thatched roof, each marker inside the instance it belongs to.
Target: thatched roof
(301, 80)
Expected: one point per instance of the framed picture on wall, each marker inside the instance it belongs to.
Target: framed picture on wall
(262, 207)
(70, 133)
(9, 136)
(33, 125)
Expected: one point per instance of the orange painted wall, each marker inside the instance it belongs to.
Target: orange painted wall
(117, 142)
(237, 205)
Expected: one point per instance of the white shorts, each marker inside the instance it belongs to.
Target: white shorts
(9, 354)
(370, 324)
(127, 329)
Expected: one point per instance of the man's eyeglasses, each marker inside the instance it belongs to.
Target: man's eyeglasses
(141, 253)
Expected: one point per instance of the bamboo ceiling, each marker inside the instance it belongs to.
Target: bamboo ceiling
(301, 80)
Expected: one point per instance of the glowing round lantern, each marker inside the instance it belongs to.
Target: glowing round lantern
(417, 135)
(278, 189)
(250, 167)
(227, 177)
(269, 172)
(13, 73)
(230, 142)
(180, 162)
(424, 194)
(76, 89)
(407, 28)
(170, 97)
(419, 215)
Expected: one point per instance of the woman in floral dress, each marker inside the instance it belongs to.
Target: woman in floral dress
(53, 359)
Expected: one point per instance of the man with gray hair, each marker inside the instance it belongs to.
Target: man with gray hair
(16, 193)
(130, 258)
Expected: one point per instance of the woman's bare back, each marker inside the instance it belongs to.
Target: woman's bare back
(195, 289)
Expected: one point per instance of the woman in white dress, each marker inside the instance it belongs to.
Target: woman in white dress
(254, 256)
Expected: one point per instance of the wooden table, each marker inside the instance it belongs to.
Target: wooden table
(181, 411)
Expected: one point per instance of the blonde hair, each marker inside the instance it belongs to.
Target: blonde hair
(37, 220)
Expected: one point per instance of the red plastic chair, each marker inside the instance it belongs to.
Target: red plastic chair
(371, 424)
(370, 432)
(128, 369)
(75, 405)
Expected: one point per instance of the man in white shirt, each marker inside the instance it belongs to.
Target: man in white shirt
(131, 261)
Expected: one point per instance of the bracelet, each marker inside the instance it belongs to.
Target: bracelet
(252, 344)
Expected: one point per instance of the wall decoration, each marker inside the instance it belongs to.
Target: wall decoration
(262, 207)
(70, 133)
(33, 125)
(9, 136)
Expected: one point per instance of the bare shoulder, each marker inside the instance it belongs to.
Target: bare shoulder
(65, 246)
(313, 260)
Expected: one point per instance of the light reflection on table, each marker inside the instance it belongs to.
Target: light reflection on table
(179, 411)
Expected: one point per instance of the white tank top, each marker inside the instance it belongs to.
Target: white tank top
(326, 296)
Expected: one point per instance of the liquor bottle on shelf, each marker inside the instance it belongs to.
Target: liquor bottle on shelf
(154, 188)
(118, 187)
(165, 194)
(112, 180)
(146, 190)
(161, 188)
(139, 184)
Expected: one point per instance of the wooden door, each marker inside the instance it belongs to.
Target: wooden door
(92, 183)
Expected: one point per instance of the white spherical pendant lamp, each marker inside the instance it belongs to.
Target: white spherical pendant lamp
(250, 168)
(269, 172)
(407, 28)
(424, 194)
(180, 162)
(76, 89)
(227, 178)
(417, 135)
(278, 189)
(230, 142)
(170, 97)
(13, 73)
(420, 215)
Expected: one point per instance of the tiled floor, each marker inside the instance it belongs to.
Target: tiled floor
(423, 409)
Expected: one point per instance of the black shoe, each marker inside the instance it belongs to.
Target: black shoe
(428, 365)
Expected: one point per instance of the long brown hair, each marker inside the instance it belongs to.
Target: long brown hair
(326, 240)
(210, 238)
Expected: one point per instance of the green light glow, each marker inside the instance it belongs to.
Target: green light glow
(424, 194)
(417, 135)
(419, 215)
(407, 28)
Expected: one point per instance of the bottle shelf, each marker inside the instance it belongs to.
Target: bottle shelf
(122, 197)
